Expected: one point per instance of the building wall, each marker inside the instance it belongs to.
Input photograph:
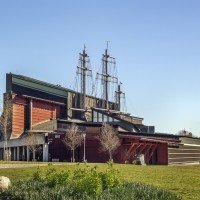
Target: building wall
(41, 111)
(44, 111)
(94, 153)
(188, 151)
(58, 150)
(184, 154)
(18, 116)
(162, 154)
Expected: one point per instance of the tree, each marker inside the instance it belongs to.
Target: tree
(185, 133)
(5, 122)
(73, 138)
(32, 143)
(109, 140)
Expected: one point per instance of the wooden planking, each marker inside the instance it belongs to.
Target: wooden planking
(43, 111)
(184, 154)
(19, 100)
(58, 111)
(184, 160)
(93, 129)
(19, 104)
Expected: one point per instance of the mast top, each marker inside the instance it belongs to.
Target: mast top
(107, 44)
(84, 47)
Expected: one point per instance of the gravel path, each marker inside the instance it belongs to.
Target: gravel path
(4, 166)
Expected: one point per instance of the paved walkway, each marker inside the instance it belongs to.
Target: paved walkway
(4, 166)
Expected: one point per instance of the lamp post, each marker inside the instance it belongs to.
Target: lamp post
(84, 135)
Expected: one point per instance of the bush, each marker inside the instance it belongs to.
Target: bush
(87, 182)
(110, 177)
(138, 162)
(128, 191)
(138, 191)
(83, 183)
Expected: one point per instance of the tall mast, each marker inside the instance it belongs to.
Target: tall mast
(106, 56)
(106, 77)
(82, 70)
(119, 94)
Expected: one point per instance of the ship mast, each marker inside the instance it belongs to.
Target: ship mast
(106, 77)
(119, 95)
(82, 70)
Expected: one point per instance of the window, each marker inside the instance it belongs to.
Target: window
(110, 119)
(94, 116)
(100, 117)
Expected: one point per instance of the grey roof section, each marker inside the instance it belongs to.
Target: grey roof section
(122, 122)
(49, 125)
(190, 140)
(22, 141)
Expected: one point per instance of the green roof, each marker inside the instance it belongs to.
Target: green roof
(40, 85)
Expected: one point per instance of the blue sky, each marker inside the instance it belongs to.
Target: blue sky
(156, 44)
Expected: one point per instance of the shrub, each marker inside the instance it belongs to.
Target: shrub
(110, 177)
(138, 162)
(83, 183)
(87, 182)
(131, 191)
(53, 178)
(138, 191)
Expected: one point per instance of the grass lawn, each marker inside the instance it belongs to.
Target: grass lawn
(182, 180)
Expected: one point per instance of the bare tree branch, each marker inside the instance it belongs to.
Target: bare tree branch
(5, 122)
(185, 133)
(109, 140)
(73, 138)
(32, 143)
(1, 107)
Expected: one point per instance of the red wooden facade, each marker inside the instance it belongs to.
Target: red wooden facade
(155, 152)
(19, 115)
(38, 111)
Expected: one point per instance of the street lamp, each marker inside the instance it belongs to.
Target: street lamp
(84, 135)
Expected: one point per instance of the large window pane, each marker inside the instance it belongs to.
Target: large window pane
(100, 117)
(94, 116)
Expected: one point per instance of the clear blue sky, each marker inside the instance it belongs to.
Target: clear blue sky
(156, 44)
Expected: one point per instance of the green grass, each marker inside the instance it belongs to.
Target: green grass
(181, 180)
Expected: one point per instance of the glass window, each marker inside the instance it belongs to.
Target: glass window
(100, 119)
(104, 118)
(115, 120)
(110, 119)
(94, 116)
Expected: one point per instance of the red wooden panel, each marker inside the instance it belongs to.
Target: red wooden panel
(18, 115)
(162, 154)
(43, 111)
